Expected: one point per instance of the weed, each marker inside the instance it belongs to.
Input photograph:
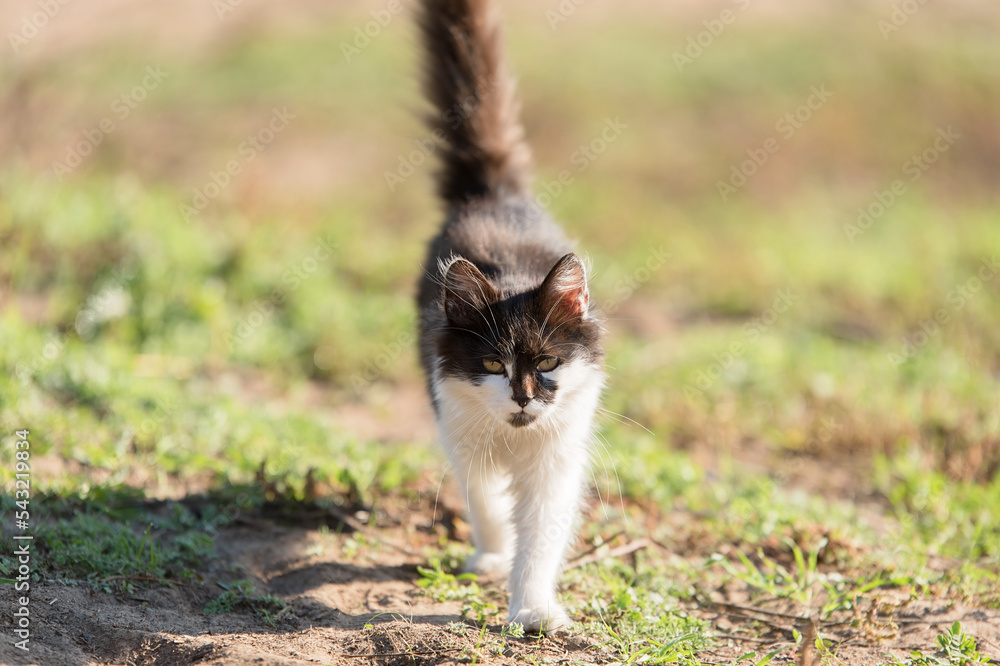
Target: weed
(641, 626)
(956, 649)
(444, 586)
(239, 595)
(144, 352)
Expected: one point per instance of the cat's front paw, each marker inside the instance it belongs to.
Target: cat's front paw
(488, 564)
(546, 619)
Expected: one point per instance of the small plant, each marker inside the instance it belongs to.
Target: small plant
(512, 630)
(457, 628)
(642, 627)
(153, 560)
(762, 661)
(444, 586)
(957, 649)
(239, 595)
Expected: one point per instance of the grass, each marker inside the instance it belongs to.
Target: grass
(105, 538)
(754, 340)
(957, 648)
(444, 586)
(239, 595)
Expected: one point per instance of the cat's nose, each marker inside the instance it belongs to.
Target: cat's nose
(522, 400)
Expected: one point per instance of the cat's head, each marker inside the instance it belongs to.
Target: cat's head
(521, 354)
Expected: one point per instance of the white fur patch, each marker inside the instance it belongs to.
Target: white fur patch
(461, 402)
(523, 485)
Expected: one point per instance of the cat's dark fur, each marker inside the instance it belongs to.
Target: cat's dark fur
(492, 220)
(515, 247)
(501, 286)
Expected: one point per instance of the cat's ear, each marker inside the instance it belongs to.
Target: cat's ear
(564, 292)
(467, 292)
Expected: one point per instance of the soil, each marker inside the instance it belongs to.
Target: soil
(365, 609)
(361, 604)
(364, 606)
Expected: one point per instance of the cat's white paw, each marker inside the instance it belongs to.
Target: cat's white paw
(545, 619)
(488, 564)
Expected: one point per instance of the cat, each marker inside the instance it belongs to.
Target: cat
(509, 340)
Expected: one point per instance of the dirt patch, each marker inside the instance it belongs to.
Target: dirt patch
(360, 604)
(341, 609)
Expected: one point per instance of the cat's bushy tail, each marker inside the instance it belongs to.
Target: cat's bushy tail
(465, 78)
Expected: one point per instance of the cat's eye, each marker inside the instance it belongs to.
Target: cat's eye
(496, 367)
(548, 364)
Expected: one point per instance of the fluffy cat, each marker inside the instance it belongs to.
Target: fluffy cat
(508, 337)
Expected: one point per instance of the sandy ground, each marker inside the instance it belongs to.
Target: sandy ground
(353, 597)
(368, 608)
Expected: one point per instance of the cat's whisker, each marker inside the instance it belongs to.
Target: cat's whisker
(475, 308)
(459, 413)
(482, 458)
(434, 276)
(550, 333)
(624, 420)
(467, 330)
(586, 349)
(507, 444)
(597, 487)
(600, 455)
(606, 445)
(472, 458)
(489, 444)
(496, 326)
(454, 416)
(545, 322)
(437, 495)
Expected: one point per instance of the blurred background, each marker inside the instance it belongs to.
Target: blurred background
(212, 217)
